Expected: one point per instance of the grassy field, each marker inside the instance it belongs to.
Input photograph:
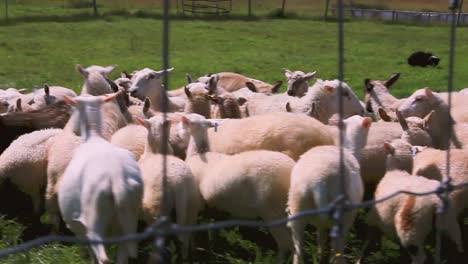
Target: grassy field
(46, 51)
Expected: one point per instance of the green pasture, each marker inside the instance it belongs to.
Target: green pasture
(45, 39)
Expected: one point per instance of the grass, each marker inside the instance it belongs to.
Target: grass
(46, 50)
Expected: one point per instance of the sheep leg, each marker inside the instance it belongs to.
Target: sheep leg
(373, 238)
(182, 214)
(283, 241)
(297, 229)
(322, 245)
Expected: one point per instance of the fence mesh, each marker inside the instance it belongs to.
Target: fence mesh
(163, 227)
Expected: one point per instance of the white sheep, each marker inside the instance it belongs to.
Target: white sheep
(101, 188)
(24, 163)
(298, 82)
(103, 70)
(320, 102)
(255, 184)
(61, 151)
(377, 95)
(230, 82)
(315, 183)
(421, 103)
(182, 190)
(283, 132)
(409, 217)
(147, 83)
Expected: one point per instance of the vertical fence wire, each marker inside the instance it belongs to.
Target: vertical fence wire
(337, 230)
(160, 240)
(446, 180)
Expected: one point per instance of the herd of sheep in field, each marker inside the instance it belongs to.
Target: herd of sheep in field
(235, 144)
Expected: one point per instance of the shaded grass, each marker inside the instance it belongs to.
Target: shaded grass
(46, 51)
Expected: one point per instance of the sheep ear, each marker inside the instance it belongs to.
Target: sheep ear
(109, 69)
(369, 86)
(46, 89)
(187, 92)
(427, 119)
(185, 121)
(108, 97)
(19, 107)
(143, 122)
(402, 120)
(146, 105)
(383, 114)
(112, 84)
(366, 122)
(124, 74)
(311, 111)
(251, 87)
(82, 70)
(69, 101)
(241, 101)
(389, 148)
(189, 78)
(212, 84)
(288, 107)
(309, 75)
(392, 79)
(22, 90)
(428, 92)
(287, 73)
(276, 86)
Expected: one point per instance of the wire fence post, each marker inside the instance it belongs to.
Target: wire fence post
(283, 6)
(325, 14)
(250, 8)
(6, 10)
(95, 10)
(337, 230)
(163, 221)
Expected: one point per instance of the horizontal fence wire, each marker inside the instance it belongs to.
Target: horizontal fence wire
(162, 227)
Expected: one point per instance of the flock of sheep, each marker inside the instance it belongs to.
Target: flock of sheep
(237, 145)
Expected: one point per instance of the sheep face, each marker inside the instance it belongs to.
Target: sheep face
(297, 82)
(420, 103)
(146, 83)
(372, 89)
(351, 103)
(4, 105)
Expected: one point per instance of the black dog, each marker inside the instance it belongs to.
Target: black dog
(421, 58)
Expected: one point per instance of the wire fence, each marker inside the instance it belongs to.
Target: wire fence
(163, 228)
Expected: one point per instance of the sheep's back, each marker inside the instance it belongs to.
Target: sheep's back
(283, 132)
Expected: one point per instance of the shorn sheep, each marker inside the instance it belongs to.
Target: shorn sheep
(421, 103)
(298, 82)
(61, 151)
(315, 183)
(288, 133)
(377, 95)
(230, 82)
(15, 124)
(320, 102)
(409, 217)
(182, 190)
(147, 83)
(97, 200)
(246, 185)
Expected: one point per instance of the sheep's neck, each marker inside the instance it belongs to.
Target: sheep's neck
(157, 100)
(198, 144)
(400, 163)
(90, 124)
(437, 127)
(153, 145)
(382, 99)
